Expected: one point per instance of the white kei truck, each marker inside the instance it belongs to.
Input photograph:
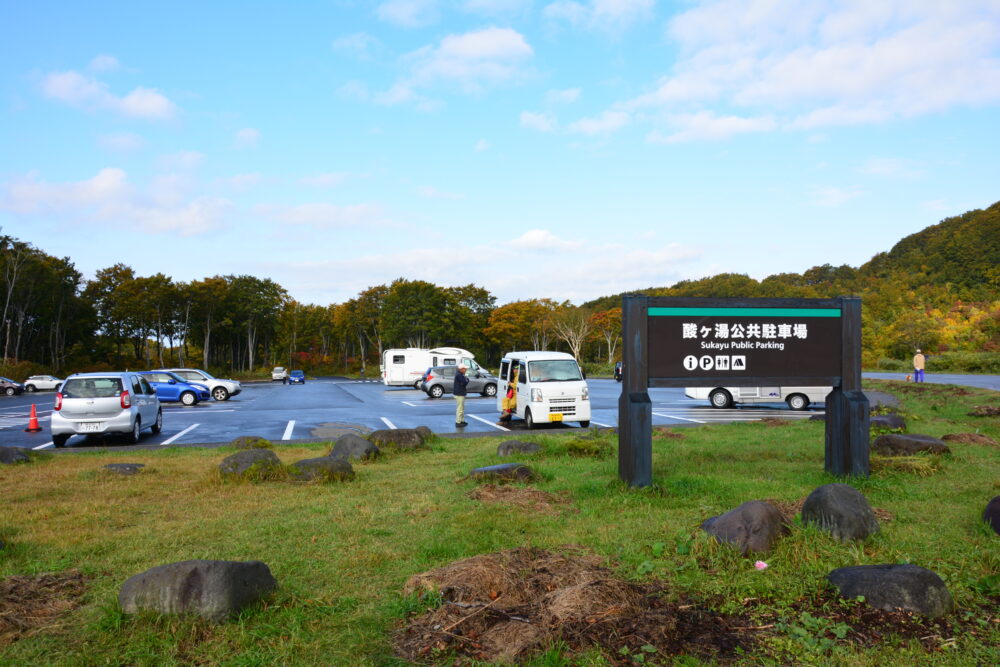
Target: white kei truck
(550, 387)
(405, 367)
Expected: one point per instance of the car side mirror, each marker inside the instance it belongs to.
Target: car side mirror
(172, 381)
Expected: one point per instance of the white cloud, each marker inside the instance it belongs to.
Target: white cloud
(327, 180)
(86, 92)
(322, 215)
(495, 7)
(243, 182)
(566, 96)
(605, 15)
(104, 63)
(109, 198)
(360, 45)
(181, 160)
(482, 145)
(409, 13)
(121, 141)
(543, 239)
(605, 123)
(891, 167)
(834, 196)
(247, 137)
(543, 122)
(705, 126)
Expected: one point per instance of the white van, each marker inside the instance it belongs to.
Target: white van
(406, 367)
(798, 398)
(550, 387)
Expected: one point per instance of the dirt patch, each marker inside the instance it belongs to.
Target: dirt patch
(774, 421)
(985, 411)
(507, 605)
(523, 498)
(29, 605)
(792, 508)
(667, 432)
(971, 439)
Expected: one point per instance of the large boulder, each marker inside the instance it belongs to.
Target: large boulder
(991, 515)
(212, 589)
(400, 438)
(353, 446)
(889, 422)
(425, 432)
(895, 587)
(508, 447)
(753, 527)
(10, 455)
(504, 472)
(842, 511)
(326, 469)
(908, 444)
(251, 464)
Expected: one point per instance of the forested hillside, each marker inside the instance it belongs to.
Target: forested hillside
(938, 289)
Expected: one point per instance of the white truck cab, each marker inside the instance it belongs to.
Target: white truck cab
(550, 387)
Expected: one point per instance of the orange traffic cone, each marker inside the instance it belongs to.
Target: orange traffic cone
(33, 426)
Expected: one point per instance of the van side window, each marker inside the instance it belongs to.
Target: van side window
(398, 359)
(448, 362)
(504, 367)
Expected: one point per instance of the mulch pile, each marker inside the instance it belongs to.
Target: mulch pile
(971, 439)
(507, 605)
(520, 497)
(29, 605)
(791, 509)
(985, 411)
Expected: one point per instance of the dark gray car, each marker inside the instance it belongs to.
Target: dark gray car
(440, 380)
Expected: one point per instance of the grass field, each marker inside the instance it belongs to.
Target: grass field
(342, 552)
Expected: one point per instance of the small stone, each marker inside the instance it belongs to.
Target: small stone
(991, 515)
(251, 442)
(326, 468)
(353, 446)
(895, 587)
(890, 421)
(753, 527)
(842, 511)
(900, 444)
(125, 469)
(11, 455)
(506, 472)
(509, 447)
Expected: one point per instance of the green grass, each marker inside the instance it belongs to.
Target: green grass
(341, 552)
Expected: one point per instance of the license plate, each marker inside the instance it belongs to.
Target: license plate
(555, 416)
(90, 427)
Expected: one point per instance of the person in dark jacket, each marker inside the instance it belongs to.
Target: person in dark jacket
(460, 391)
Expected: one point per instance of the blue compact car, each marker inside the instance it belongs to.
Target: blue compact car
(172, 387)
(297, 377)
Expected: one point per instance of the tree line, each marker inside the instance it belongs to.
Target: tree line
(937, 290)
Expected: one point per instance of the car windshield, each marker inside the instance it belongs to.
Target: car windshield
(298, 373)
(555, 370)
(92, 388)
(208, 376)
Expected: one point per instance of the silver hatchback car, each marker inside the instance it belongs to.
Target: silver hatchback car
(440, 380)
(100, 403)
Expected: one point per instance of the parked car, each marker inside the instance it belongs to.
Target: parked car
(440, 380)
(10, 387)
(297, 377)
(98, 403)
(551, 387)
(797, 398)
(618, 371)
(172, 387)
(279, 374)
(40, 382)
(222, 390)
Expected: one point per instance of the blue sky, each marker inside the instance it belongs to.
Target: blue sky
(553, 149)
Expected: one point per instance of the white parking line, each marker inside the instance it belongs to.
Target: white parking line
(388, 423)
(47, 444)
(683, 419)
(170, 440)
(288, 430)
(600, 424)
(412, 405)
(496, 426)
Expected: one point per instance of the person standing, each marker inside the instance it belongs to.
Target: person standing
(460, 391)
(919, 361)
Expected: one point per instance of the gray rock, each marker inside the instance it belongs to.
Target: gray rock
(425, 432)
(880, 399)
(326, 468)
(212, 589)
(353, 446)
(125, 469)
(991, 515)
(508, 447)
(895, 587)
(251, 442)
(753, 527)
(15, 455)
(907, 444)
(818, 418)
(887, 421)
(250, 462)
(842, 511)
(400, 438)
(504, 472)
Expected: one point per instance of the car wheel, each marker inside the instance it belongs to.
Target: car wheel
(437, 391)
(9, 391)
(720, 398)
(490, 390)
(136, 433)
(797, 402)
(585, 424)
(30, 388)
(158, 424)
(60, 440)
(188, 398)
(528, 419)
(220, 394)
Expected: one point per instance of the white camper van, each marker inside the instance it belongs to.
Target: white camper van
(550, 387)
(798, 398)
(406, 367)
